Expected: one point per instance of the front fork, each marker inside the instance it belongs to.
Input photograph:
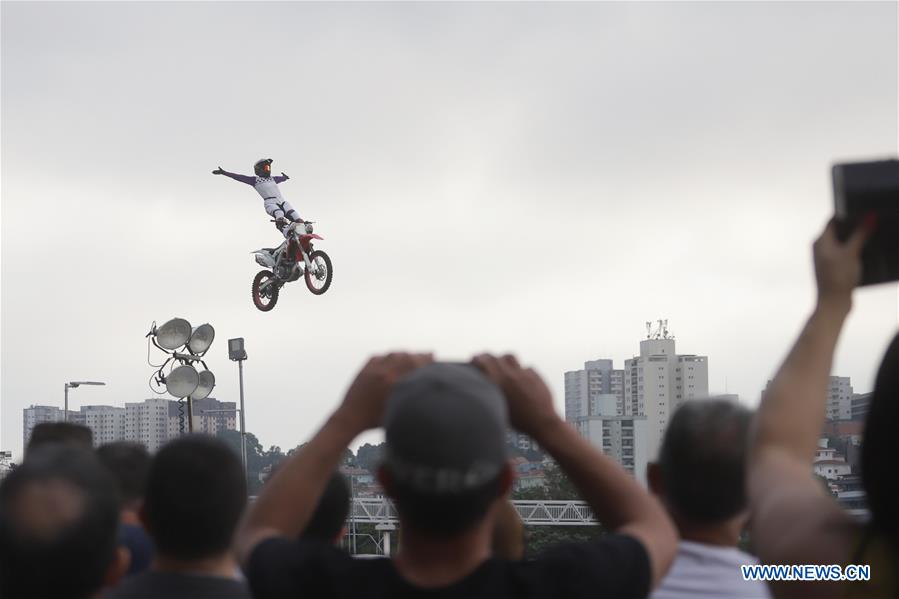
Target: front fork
(306, 261)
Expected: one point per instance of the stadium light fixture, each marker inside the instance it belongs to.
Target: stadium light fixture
(201, 338)
(172, 334)
(204, 387)
(184, 346)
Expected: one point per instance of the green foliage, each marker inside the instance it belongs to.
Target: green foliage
(258, 459)
(369, 456)
(347, 459)
(558, 486)
(541, 538)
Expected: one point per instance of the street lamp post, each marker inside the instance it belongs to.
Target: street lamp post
(237, 353)
(73, 385)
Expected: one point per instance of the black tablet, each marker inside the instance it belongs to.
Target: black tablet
(861, 189)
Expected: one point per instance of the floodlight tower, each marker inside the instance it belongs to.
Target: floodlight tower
(184, 382)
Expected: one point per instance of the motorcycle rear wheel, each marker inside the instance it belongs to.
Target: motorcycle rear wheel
(320, 282)
(266, 299)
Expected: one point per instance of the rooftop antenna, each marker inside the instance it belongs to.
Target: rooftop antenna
(648, 329)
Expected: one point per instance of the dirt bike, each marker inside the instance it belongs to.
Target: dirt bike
(293, 259)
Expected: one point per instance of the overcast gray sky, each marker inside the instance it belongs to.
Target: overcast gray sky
(537, 178)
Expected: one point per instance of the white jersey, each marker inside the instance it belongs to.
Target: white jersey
(268, 189)
(701, 570)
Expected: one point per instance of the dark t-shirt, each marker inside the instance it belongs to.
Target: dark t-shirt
(139, 545)
(612, 566)
(177, 585)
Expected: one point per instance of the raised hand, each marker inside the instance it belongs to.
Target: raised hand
(527, 396)
(285, 176)
(218, 171)
(838, 266)
(363, 405)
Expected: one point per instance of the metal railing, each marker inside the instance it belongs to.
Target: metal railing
(379, 510)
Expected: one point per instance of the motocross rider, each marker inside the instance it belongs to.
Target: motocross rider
(267, 187)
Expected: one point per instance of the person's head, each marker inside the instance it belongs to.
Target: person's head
(59, 515)
(327, 523)
(702, 463)
(68, 433)
(263, 167)
(445, 462)
(129, 464)
(879, 449)
(196, 493)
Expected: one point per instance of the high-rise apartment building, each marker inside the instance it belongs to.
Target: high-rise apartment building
(151, 422)
(107, 423)
(147, 422)
(860, 404)
(658, 381)
(621, 437)
(35, 415)
(209, 416)
(625, 412)
(584, 387)
(839, 399)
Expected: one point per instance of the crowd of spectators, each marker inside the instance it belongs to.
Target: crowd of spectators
(115, 522)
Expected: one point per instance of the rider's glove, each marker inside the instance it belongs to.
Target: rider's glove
(218, 171)
(285, 176)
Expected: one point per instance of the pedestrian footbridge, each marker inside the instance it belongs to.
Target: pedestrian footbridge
(550, 512)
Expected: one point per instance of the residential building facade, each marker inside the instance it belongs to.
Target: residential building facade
(151, 422)
(839, 398)
(6, 464)
(858, 406)
(625, 412)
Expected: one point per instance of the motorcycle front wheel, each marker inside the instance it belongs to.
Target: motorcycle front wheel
(265, 299)
(318, 278)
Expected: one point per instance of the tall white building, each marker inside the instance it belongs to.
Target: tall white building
(660, 380)
(151, 422)
(35, 415)
(107, 423)
(625, 412)
(621, 437)
(209, 416)
(839, 398)
(147, 422)
(584, 387)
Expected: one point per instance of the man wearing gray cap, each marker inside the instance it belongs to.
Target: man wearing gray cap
(446, 469)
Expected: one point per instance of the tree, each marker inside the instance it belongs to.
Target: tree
(347, 459)
(558, 487)
(369, 456)
(258, 460)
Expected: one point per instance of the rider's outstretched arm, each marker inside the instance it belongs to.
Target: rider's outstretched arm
(280, 178)
(242, 178)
